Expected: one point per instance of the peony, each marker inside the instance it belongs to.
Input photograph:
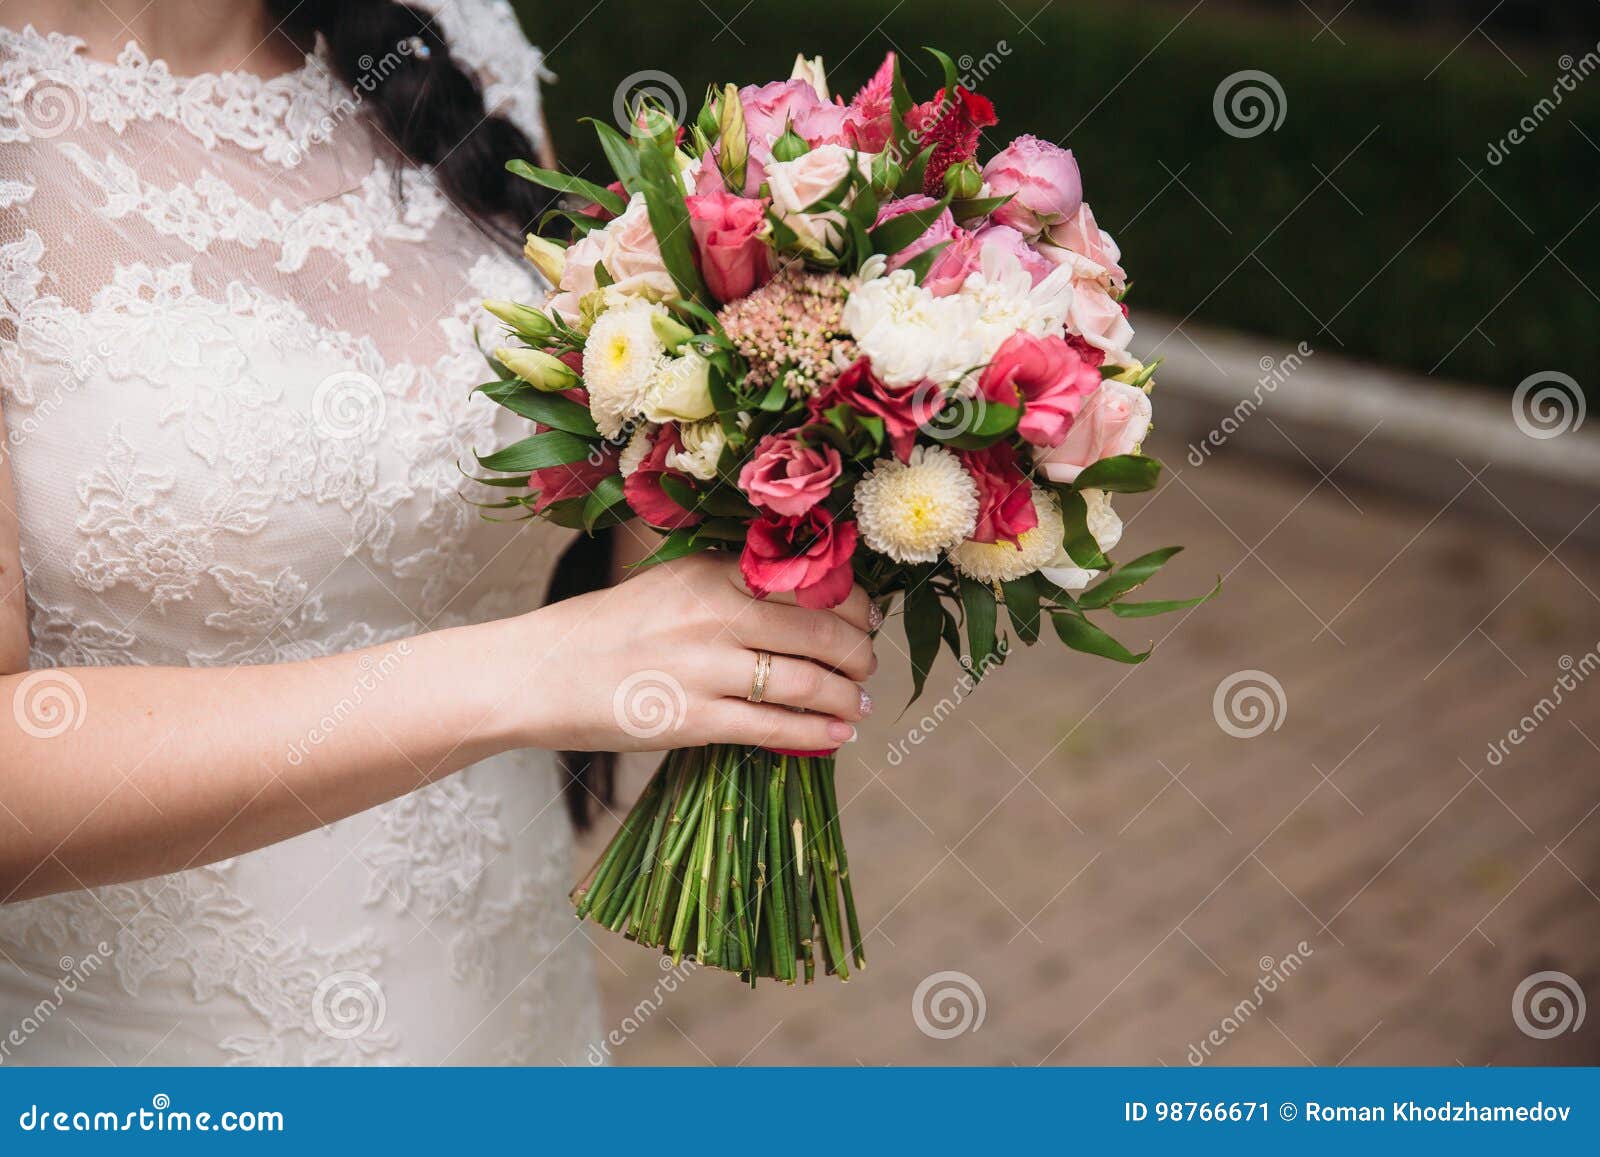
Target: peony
(644, 492)
(730, 235)
(809, 555)
(1042, 180)
(1035, 264)
(1114, 420)
(1048, 376)
(911, 335)
(680, 391)
(943, 227)
(798, 184)
(787, 477)
(1002, 562)
(621, 359)
(1005, 504)
(1079, 234)
(902, 412)
(912, 511)
(701, 448)
(1106, 529)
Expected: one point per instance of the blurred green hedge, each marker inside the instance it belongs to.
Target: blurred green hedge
(1369, 222)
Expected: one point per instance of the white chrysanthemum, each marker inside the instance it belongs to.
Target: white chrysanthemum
(1106, 528)
(1000, 562)
(910, 334)
(637, 449)
(1004, 300)
(702, 446)
(914, 510)
(621, 357)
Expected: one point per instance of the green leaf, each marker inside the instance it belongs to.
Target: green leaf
(1122, 474)
(966, 208)
(922, 262)
(566, 183)
(669, 221)
(676, 544)
(1022, 604)
(949, 67)
(550, 410)
(620, 154)
(551, 448)
(721, 530)
(978, 603)
(898, 232)
(725, 501)
(679, 491)
(1125, 578)
(922, 623)
(1079, 543)
(775, 399)
(994, 420)
(1161, 607)
(1080, 634)
(603, 498)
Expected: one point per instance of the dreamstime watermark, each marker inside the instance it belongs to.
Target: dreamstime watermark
(1249, 703)
(1274, 974)
(673, 975)
(1576, 671)
(1548, 404)
(374, 670)
(49, 703)
(646, 91)
(348, 404)
(649, 703)
(374, 71)
(973, 71)
(1274, 372)
(1573, 73)
(74, 974)
(160, 1117)
(948, 1004)
(920, 731)
(1249, 103)
(47, 104)
(348, 1004)
(1547, 1004)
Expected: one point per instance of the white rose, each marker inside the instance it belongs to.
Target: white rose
(800, 183)
(1106, 528)
(680, 391)
(703, 443)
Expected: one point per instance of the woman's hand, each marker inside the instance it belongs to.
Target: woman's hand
(668, 659)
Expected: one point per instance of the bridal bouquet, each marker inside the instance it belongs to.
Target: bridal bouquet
(826, 336)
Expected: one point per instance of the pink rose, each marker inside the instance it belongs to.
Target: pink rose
(734, 258)
(1099, 318)
(626, 247)
(903, 412)
(788, 477)
(1043, 182)
(809, 555)
(1113, 421)
(1049, 377)
(796, 185)
(643, 489)
(1082, 236)
(942, 229)
(1005, 496)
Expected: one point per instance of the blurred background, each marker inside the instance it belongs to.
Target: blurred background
(1346, 814)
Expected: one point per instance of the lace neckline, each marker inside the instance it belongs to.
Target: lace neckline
(281, 116)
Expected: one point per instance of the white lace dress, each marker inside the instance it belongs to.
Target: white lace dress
(237, 344)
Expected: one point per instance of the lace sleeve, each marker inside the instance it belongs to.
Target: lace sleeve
(484, 35)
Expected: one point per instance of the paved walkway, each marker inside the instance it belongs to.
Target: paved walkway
(1126, 883)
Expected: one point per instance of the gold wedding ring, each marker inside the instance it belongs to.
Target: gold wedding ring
(758, 685)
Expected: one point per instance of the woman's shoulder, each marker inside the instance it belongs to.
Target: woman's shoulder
(486, 37)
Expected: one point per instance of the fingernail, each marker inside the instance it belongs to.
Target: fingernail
(866, 703)
(874, 616)
(842, 732)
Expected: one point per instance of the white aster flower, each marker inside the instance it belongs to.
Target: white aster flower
(1004, 300)
(637, 449)
(680, 390)
(621, 358)
(914, 510)
(910, 334)
(1106, 528)
(702, 446)
(1000, 562)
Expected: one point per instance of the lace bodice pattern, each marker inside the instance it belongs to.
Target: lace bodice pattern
(238, 338)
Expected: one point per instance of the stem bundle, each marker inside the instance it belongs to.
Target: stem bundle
(733, 857)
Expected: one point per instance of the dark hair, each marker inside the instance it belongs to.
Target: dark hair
(433, 110)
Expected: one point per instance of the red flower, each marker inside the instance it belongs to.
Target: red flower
(599, 212)
(903, 411)
(644, 491)
(952, 129)
(1005, 496)
(809, 555)
(1049, 376)
(571, 479)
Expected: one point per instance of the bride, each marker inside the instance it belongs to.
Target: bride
(277, 709)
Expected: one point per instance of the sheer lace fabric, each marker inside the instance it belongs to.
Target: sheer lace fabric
(237, 342)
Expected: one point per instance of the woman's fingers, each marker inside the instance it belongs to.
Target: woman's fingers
(817, 635)
(767, 725)
(795, 682)
(855, 610)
